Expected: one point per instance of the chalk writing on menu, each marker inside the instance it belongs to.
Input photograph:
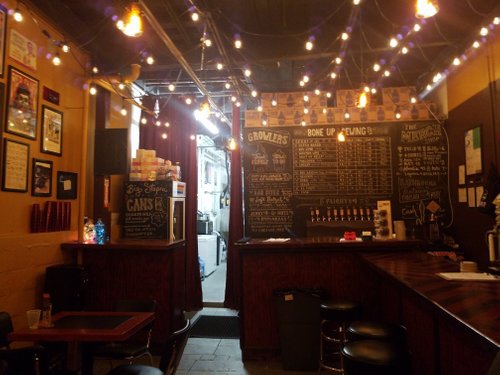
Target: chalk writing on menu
(422, 168)
(16, 165)
(146, 209)
(292, 170)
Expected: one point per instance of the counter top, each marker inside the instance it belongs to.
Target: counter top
(473, 303)
(127, 244)
(327, 244)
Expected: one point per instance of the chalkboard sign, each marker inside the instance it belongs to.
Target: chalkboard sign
(145, 209)
(297, 175)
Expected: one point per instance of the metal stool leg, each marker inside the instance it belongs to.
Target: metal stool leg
(338, 341)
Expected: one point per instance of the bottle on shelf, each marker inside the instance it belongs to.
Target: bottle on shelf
(355, 216)
(88, 231)
(361, 214)
(342, 215)
(349, 217)
(46, 311)
(100, 232)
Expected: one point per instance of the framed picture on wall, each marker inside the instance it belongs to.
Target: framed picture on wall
(67, 185)
(15, 166)
(3, 29)
(52, 121)
(21, 118)
(41, 180)
(473, 161)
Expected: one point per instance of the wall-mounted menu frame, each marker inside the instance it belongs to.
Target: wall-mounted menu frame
(21, 117)
(67, 184)
(3, 29)
(473, 157)
(15, 166)
(52, 123)
(41, 178)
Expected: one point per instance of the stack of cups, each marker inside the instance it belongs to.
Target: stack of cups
(400, 229)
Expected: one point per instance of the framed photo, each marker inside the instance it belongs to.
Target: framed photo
(15, 166)
(3, 29)
(67, 185)
(473, 161)
(41, 180)
(52, 121)
(22, 104)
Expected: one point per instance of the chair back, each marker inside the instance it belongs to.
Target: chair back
(31, 360)
(174, 348)
(5, 328)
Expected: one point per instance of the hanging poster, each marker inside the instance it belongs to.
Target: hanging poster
(473, 151)
(15, 166)
(22, 49)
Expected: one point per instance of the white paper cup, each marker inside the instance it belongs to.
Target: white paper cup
(33, 318)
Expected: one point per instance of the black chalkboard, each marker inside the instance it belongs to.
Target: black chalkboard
(146, 209)
(294, 173)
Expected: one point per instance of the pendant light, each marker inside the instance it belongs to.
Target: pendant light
(132, 23)
(426, 8)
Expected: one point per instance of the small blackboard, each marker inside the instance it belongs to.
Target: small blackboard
(146, 209)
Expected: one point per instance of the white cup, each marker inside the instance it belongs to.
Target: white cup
(33, 318)
(400, 229)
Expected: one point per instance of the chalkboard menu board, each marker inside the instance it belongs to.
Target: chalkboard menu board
(146, 208)
(294, 172)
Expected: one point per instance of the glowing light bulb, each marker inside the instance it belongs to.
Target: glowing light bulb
(92, 90)
(189, 101)
(231, 144)
(65, 47)
(376, 67)
(164, 136)
(317, 92)
(302, 83)
(347, 115)
(303, 123)
(121, 86)
(95, 70)
(404, 50)
(254, 93)
(373, 90)
(356, 2)
(274, 103)
(158, 123)
(484, 31)
(496, 21)
(207, 42)
(417, 27)
(171, 87)
(413, 100)
(233, 99)
(437, 77)
(341, 136)
(123, 111)
(195, 17)
(393, 42)
(150, 60)
(247, 72)
(220, 66)
(259, 108)
(306, 98)
(328, 94)
(237, 42)
(387, 73)
(338, 60)
(237, 104)
(344, 36)
(192, 137)
(333, 75)
(426, 8)
(56, 60)
(166, 124)
(144, 121)
(227, 85)
(428, 87)
(456, 61)
(476, 44)
(306, 111)
(305, 78)
(309, 45)
(18, 16)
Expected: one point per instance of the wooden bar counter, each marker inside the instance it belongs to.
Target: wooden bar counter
(452, 326)
(136, 269)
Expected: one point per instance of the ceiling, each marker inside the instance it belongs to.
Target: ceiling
(273, 33)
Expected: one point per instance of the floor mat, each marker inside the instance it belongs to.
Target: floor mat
(216, 327)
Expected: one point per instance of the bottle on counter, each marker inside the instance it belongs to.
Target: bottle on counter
(46, 320)
(100, 232)
(88, 230)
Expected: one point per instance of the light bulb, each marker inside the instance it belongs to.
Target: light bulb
(341, 136)
(305, 78)
(306, 98)
(338, 60)
(171, 87)
(231, 144)
(195, 17)
(65, 47)
(144, 121)
(247, 72)
(333, 75)
(309, 45)
(373, 90)
(92, 90)
(483, 31)
(417, 27)
(259, 108)
(237, 104)
(302, 83)
(220, 66)
(362, 100)
(121, 85)
(164, 136)
(376, 67)
(317, 92)
(123, 111)
(18, 16)
(404, 50)
(413, 100)
(344, 36)
(207, 42)
(387, 73)
(303, 123)
(158, 123)
(188, 101)
(393, 43)
(237, 43)
(254, 93)
(426, 8)
(233, 99)
(456, 61)
(56, 60)
(95, 70)
(356, 2)
(192, 137)
(476, 44)
(132, 26)
(306, 111)
(227, 85)
(166, 124)
(347, 115)
(496, 21)
(328, 94)
(274, 103)
(150, 60)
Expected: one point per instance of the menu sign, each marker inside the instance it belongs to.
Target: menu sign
(146, 209)
(292, 173)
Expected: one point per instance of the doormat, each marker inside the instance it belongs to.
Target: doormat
(216, 327)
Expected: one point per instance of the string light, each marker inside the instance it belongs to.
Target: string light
(65, 47)
(164, 135)
(166, 124)
(150, 60)
(95, 70)
(18, 15)
(341, 136)
(397, 113)
(247, 72)
(171, 87)
(92, 89)
(220, 66)
(195, 17)
(227, 85)
(310, 43)
(237, 41)
(231, 144)
(144, 121)
(56, 60)
(123, 111)
(254, 93)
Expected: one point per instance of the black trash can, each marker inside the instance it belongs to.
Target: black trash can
(299, 326)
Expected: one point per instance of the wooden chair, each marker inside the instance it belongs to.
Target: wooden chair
(170, 357)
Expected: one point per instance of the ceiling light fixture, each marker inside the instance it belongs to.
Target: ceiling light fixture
(426, 8)
(132, 25)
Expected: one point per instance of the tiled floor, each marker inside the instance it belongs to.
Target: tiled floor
(216, 356)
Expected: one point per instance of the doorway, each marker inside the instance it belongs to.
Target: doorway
(213, 218)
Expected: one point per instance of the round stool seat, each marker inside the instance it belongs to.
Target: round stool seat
(339, 310)
(374, 357)
(369, 330)
(135, 370)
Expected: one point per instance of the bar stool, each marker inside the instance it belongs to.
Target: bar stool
(335, 315)
(375, 357)
(371, 330)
